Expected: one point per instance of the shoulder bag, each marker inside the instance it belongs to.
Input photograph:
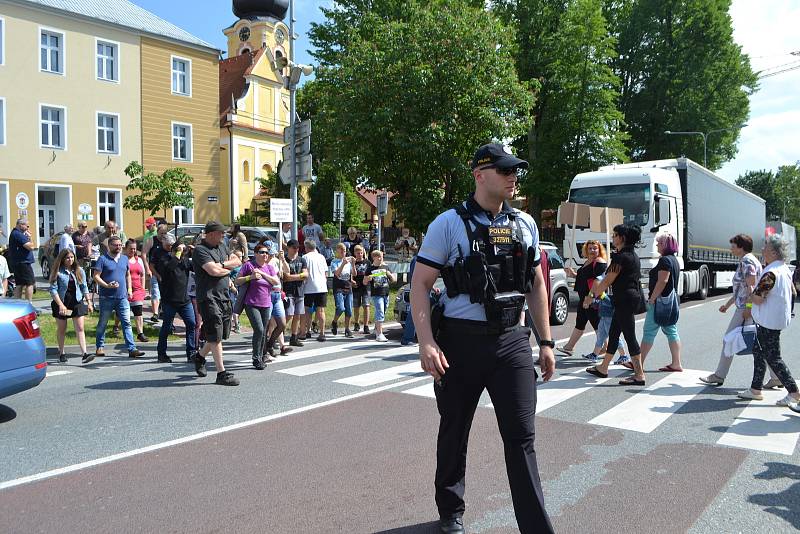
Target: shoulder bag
(667, 309)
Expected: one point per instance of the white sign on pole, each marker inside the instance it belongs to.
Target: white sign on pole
(301, 129)
(383, 204)
(280, 210)
(338, 206)
(302, 147)
(303, 170)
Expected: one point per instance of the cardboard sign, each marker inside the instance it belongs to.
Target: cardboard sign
(570, 213)
(598, 219)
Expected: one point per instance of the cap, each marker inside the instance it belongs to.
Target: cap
(150, 220)
(292, 243)
(214, 226)
(497, 155)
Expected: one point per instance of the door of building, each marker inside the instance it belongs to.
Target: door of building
(47, 223)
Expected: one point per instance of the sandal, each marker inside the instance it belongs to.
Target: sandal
(627, 365)
(594, 371)
(631, 381)
(670, 369)
(564, 350)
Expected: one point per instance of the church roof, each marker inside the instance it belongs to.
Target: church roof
(232, 73)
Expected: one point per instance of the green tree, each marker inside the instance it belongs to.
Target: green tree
(681, 70)
(157, 192)
(320, 201)
(787, 191)
(406, 91)
(565, 45)
(763, 184)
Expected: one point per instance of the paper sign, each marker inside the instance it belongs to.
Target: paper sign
(280, 210)
(570, 213)
(598, 219)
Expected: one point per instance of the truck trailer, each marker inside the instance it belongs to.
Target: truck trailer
(702, 211)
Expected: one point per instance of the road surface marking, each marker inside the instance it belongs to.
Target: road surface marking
(648, 409)
(425, 390)
(762, 426)
(384, 375)
(692, 307)
(194, 437)
(57, 373)
(565, 387)
(351, 361)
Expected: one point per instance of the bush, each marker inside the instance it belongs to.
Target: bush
(331, 230)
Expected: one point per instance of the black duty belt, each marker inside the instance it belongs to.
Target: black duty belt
(479, 328)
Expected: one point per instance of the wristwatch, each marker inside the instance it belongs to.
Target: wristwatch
(547, 343)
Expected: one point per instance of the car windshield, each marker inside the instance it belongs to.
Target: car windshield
(633, 199)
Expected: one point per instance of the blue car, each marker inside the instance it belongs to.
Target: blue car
(23, 362)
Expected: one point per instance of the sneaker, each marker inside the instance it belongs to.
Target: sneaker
(356, 327)
(592, 357)
(381, 338)
(795, 407)
(366, 330)
(200, 365)
(314, 327)
(286, 350)
(334, 328)
(62, 358)
(257, 363)
(321, 338)
(163, 358)
(189, 358)
(348, 333)
(786, 401)
(135, 353)
(409, 343)
(226, 378)
(622, 359)
(713, 379)
(774, 383)
(237, 329)
(294, 342)
(142, 338)
(153, 319)
(87, 357)
(748, 394)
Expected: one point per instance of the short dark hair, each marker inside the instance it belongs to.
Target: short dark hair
(292, 243)
(743, 241)
(129, 242)
(114, 238)
(630, 234)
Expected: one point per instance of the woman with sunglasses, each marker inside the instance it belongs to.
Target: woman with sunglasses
(260, 278)
(69, 292)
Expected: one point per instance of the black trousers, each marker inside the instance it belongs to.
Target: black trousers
(623, 322)
(503, 364)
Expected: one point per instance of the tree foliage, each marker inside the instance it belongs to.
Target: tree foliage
(157, 192)
(780, 190)
(406, 91)
(320, 202)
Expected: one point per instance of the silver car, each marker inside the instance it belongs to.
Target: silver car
(559, 290)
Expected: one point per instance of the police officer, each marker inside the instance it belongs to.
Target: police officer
(488, 255)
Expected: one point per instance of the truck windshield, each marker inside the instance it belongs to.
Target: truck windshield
(634, 199)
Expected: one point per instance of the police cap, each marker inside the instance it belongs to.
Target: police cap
(497, 155)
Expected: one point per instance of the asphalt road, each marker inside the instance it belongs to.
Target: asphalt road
(340, 437)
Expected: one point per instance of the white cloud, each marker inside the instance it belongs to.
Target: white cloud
(767, 32)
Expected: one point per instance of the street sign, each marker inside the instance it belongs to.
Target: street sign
(303, 170)
(301, 129)
(280, 210)
(212, 199)
(338, 206)
(302, 148)
(383, 204)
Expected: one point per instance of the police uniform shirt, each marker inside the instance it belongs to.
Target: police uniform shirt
(447, 232)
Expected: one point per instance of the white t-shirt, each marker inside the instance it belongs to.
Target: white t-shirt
(5, 274)
(317, 281)
(65, 241)
(312, 232)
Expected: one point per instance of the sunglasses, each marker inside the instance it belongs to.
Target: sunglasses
(503, 171)
(262, 251)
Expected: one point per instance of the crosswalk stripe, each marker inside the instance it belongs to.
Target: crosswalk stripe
(351, 361)
(647, 410)
(565, 387)
(425, 390)
(57, 373)
(363, 345)
(384, 375)
(762, 426)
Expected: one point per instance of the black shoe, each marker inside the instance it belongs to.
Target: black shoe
(271, 352)
(366, 330)
(334, 328)
(348, 333)
(321, 338)
(356, 327)
(190, 358)
(142, 338)
(164, 359)
(294, 342)
(87, 357)
(258, 363)
(286, 350)
(135, 353)
(227, 379)
(452, 525)
(62, 358)
(153, 319)
(200, 365)
(314, 327)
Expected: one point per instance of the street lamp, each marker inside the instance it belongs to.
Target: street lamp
(705, 135)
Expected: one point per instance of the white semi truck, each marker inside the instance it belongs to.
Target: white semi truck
(702, 210)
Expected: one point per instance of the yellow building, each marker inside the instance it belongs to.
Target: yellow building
(75, 108)
(254, 110)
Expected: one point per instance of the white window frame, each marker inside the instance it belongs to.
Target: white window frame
(116, 132)
(189, 214)
(62, 49)
(63, 127)
(2, 41)
(117, 206)
(117, 50)
(3, 141)
(189, 147)
(188, 75)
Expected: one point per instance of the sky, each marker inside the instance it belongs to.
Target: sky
(766, 30)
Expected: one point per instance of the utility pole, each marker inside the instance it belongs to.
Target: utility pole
(292, 120)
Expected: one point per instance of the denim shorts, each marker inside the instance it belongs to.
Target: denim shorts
(381, 304)
(278, 311)
(155, 291)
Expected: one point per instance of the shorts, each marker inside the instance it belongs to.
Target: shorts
(381, 305)
(361, 298)
(278, 310)
(136, 308)
(316, 299)
(295, 306)
(216, 317)
(80, 310)
(23, 274)
(155, 292)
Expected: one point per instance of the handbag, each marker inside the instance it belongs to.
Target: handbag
(749, 337)
(642, 307)
(667, 309)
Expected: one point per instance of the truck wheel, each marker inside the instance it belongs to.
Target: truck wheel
(704, 285)
(559, 308)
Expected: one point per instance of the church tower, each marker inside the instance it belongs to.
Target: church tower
(260, 25)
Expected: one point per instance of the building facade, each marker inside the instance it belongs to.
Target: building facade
(82, 95)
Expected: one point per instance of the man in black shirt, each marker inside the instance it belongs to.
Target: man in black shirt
(175, 266)
(213, 263)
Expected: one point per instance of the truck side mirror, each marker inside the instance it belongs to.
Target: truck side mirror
(662, 212)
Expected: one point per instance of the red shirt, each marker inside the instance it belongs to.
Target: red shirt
(136, 267)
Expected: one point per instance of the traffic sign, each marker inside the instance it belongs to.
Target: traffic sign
(303, 170)
(302, 148)
(301, 129)
(383, 204)
(338, 206)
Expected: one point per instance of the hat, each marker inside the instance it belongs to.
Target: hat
(150, 220)
(292, 243)
(497, 155)
(214, 226)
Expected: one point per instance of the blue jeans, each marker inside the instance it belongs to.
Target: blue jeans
(344, 303)
(186, 312)
(108, 305)
(380, 304)
(602, 335)
(409, 330)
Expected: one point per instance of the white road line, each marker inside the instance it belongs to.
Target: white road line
(351, 361)
(194, 437)
(565, 387)
(57, 373)
(384, 375)
(425, 390)
(762, 426)
(692, 307)
(647, 410)
(364, 346)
